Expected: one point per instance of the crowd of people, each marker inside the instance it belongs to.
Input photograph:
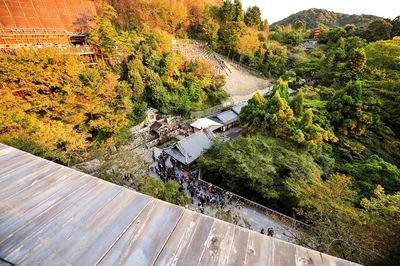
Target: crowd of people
(203, 194)
(168, 131)
(270, 231)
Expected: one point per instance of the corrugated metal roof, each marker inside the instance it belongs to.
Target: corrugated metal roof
(190, 148)
(54, 215)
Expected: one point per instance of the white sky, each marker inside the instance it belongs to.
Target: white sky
(275, 10)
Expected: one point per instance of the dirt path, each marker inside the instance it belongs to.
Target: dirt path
(239, 83)
(242, 83)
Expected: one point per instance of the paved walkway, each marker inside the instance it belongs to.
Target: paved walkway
(256, 218)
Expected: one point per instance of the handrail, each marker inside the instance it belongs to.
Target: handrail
(252, 203)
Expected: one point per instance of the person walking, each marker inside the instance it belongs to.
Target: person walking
(270, 231)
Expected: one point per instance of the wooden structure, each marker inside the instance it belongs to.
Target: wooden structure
(24, 23)
(54, 215)
(151, 115)
(316, 33)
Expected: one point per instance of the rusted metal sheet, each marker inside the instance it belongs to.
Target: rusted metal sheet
(54, 215)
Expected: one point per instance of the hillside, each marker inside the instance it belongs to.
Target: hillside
(314, 17)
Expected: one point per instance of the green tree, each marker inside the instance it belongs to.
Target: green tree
(374, 171)
(165, 191)
(379, 30)
(297, 104)
(252, 18)
(384, 211)
(239, 14)
(396, 27)
(300, 26)
(384, 55)
(209, 31)
(228, 11)
(254, 167)
(355, 63)
(103, 35)
(274, 58)
(229, 33)
(275, 117)
(349, 112)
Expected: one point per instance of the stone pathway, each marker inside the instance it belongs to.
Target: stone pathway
(255, 217)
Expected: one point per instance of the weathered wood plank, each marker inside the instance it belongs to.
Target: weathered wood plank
(38, 187)
(218, 244)
(305, 256)
(53, 215)
(145, 237)
(31, 237)
(328, 260)
(176, 248)
(100, 231)
(2, 146)
(186, 241)
(17, 160)
(237, 254)
(284, 252)
(32, 195)
(5, 150)
(260, 250)
(10, 188)
(13, 220)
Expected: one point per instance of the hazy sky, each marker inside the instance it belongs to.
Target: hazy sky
(275, 10)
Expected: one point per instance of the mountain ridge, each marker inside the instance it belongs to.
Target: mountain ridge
(316, 16)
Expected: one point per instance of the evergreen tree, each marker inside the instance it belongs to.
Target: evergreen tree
(297, 104)
(252, 18)
(239, 14)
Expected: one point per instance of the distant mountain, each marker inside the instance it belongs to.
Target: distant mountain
(314, 17)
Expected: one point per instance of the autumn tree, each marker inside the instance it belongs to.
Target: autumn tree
(246, 44)
(384, 212)
(337, 227)
(59, 104)
(264, 26)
